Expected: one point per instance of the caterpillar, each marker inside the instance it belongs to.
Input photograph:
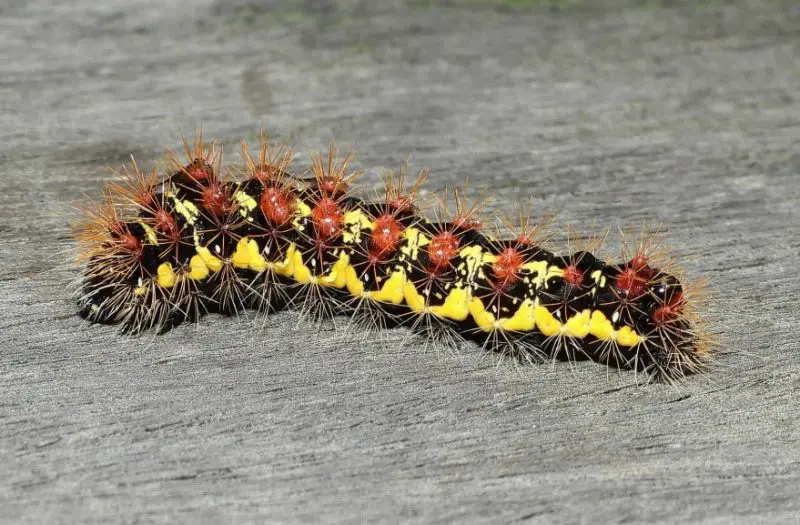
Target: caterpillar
(162, 250)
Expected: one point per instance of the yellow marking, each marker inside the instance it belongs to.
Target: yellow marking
(359, 219)
(553, 271)
(257, 261)
(241, 257)
(600, 326)
(247, 255)
(214, 263)
(539, 268)
(186, 208)
(390, 292)
(545, 322)
(414, 241)
(152, 237)
(627, 336)
(599, 278)
(141, 290)
(482, 317)
(245, 201)
(166, 275)
(414, 299)
(578, 325)
(337, 278)
(523, 319)
(285, 268)
(354, 284)
(197, 268)
(392, 289)
(455, 306)
(489, 258)
(303, 210)
(474, 257)
(301, 272)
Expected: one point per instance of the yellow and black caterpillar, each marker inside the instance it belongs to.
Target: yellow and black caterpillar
(160, 251)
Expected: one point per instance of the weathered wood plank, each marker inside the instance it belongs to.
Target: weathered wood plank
(684, 115)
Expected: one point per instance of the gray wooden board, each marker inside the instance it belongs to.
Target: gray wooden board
(689, 116)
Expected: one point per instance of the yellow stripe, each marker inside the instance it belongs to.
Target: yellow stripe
(455, 306)
(392, 289)
(186, 208)
(286, 268)
(523, 319)
(214, 263)
(458, 305)
(355, 222)
(152, 237)
(482, 317)
(354, 286)
(301, 272)
(245, 201)
(413, 298)
(197, 268)
(166, 275)
(337, 277)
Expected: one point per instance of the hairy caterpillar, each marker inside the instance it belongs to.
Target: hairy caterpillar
(162, 250)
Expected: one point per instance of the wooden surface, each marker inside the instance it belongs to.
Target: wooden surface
(684, 115)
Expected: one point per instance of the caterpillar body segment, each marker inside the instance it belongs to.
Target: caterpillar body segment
(161, 252)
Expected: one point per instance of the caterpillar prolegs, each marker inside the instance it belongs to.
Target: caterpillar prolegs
(161, 250)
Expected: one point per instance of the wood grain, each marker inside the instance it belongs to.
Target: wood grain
(686, 115)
